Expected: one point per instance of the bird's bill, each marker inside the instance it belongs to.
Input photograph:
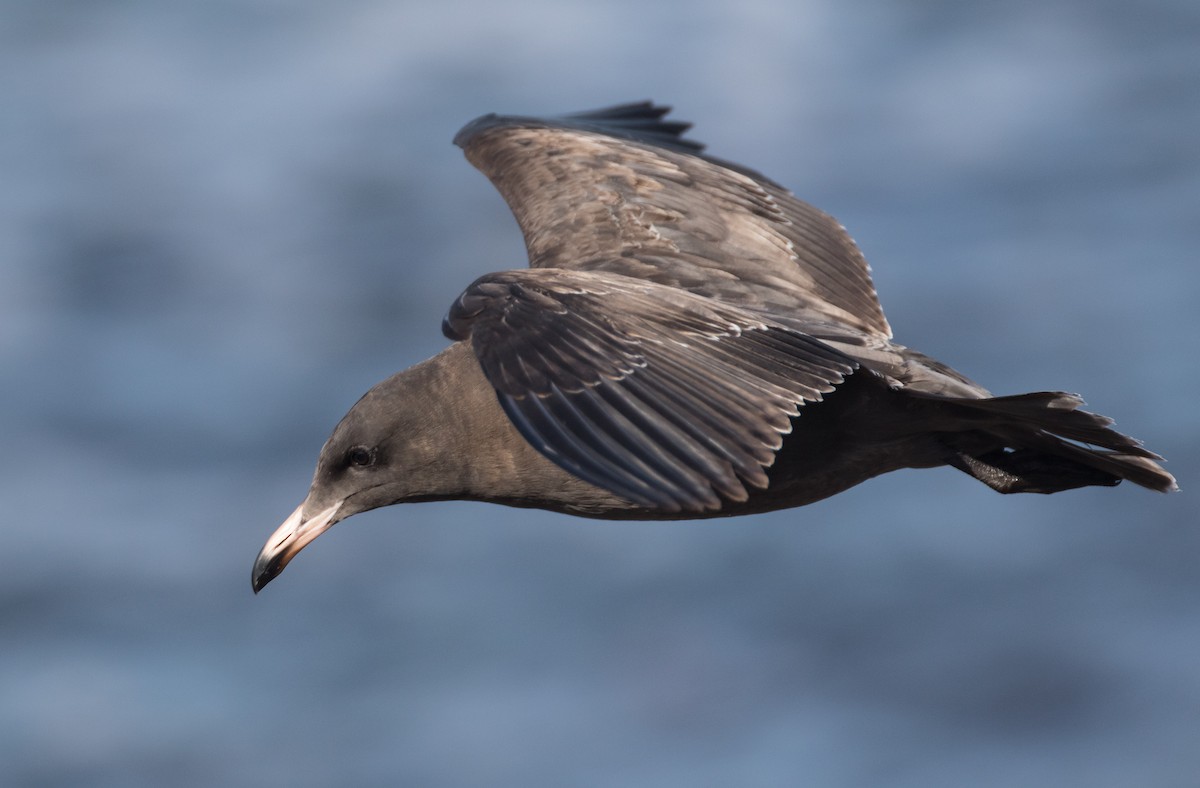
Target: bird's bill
(289, 539)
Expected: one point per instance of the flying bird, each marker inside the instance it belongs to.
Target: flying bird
(689, 341)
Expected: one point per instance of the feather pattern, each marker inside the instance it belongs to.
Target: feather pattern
(669, 399)
(681, 309)
(621, 191)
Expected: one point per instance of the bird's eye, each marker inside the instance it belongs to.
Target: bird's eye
(360, 456)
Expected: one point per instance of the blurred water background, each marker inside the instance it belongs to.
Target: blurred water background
(221, 222)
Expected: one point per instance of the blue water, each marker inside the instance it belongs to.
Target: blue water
(222, 222)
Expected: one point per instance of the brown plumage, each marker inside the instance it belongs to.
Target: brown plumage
(690, 341)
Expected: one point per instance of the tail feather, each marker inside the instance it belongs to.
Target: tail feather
(1047, 444)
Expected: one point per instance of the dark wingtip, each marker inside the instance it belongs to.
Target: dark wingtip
(464, 135)
(641, 121)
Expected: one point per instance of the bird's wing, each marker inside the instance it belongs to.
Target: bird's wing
(669, 399)
(621, 190)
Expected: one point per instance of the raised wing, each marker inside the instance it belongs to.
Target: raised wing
(668, 399)
(620, 190)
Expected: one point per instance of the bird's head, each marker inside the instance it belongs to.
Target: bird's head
(385, 450)
(354, 474)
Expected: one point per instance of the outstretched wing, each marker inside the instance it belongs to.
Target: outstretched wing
(666, 398)
(620, 190)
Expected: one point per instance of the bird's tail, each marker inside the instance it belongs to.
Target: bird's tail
(1042, 442)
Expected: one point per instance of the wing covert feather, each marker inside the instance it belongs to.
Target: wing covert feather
(620, 190)
(669, 399)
